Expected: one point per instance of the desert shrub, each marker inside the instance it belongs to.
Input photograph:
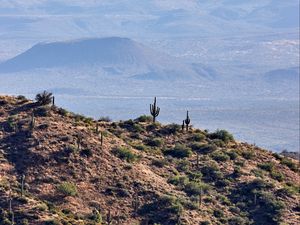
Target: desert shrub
(248, 154)
(140, 147)
(67, 189)
(277, 175)
(44, 98)
(218, 213)
(220, 156)
(183, 165)
(178, 180)
(96, 217)
(159, 162)
(179, 151)
(104, 119)
(211, 172)
(204, 223)
(268, 166)
(198, 137)
(277, 156)
(144, 118)
(218, 142)
(237, 221)
(170, 129)
(289, 163)
(232, 154)
(62, 112)
(222, 135)
(195, 188)
(86, 152)
(204, 148)
(164, 208)
(125, 153)
(41, 111)
(153, 126)
(194, 176)
(155, 142)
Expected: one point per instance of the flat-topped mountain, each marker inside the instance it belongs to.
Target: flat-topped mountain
(113, 55)
(58, 167)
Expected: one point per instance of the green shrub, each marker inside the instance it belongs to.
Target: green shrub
(269, 166)
(218, 213)
(248, 154)
(222, 135)
(159, 162)
(211, 172)
(144, 118)
(170, 129)
(289, 163)
(220, 156)
(125, 153)
(178, 180)
(198, 137)
(104, 119)
(183, 165)
(86, 152)
(277, 175)
(155, 142)
(67, 189)
(232, 154)
(42, 111)
(164, 208)
(205, 148)
(195, 188)
(180, 151)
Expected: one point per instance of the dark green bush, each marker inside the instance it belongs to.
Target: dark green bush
(222, 135)
(159, 162)
(86, 152)
(277, 175)
(170, 129)
(179, 151)
(144, 118)
(248, 154)
(195, 188)
(269, 166)
(220, 156)
(198, 137)
(218, 213)
(178, 180)
(155, 142)
(67, 189)
(289, 163)
(203, 148)
(232, 154)
(42, 111)
(125, 153)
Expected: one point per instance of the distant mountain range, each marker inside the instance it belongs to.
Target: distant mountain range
(283, 75)
(113, 56)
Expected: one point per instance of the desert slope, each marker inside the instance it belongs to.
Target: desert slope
(142, 173)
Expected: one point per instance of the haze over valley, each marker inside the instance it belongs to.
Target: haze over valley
(233, 64)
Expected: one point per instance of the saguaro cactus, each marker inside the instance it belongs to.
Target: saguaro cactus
(32, 122)
(101, 138)
(200, 197)
(187, 120)
(108, 218)
(53, 101)
(22, 184)
(135, 203)
(154, 110)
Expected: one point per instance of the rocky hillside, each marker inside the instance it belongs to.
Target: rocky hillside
(58, 167)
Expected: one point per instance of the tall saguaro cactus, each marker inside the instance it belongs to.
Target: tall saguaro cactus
(22, 184)
(187, 120)
(154, 110)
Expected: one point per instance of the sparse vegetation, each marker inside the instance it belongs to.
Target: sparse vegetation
(74, 177)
